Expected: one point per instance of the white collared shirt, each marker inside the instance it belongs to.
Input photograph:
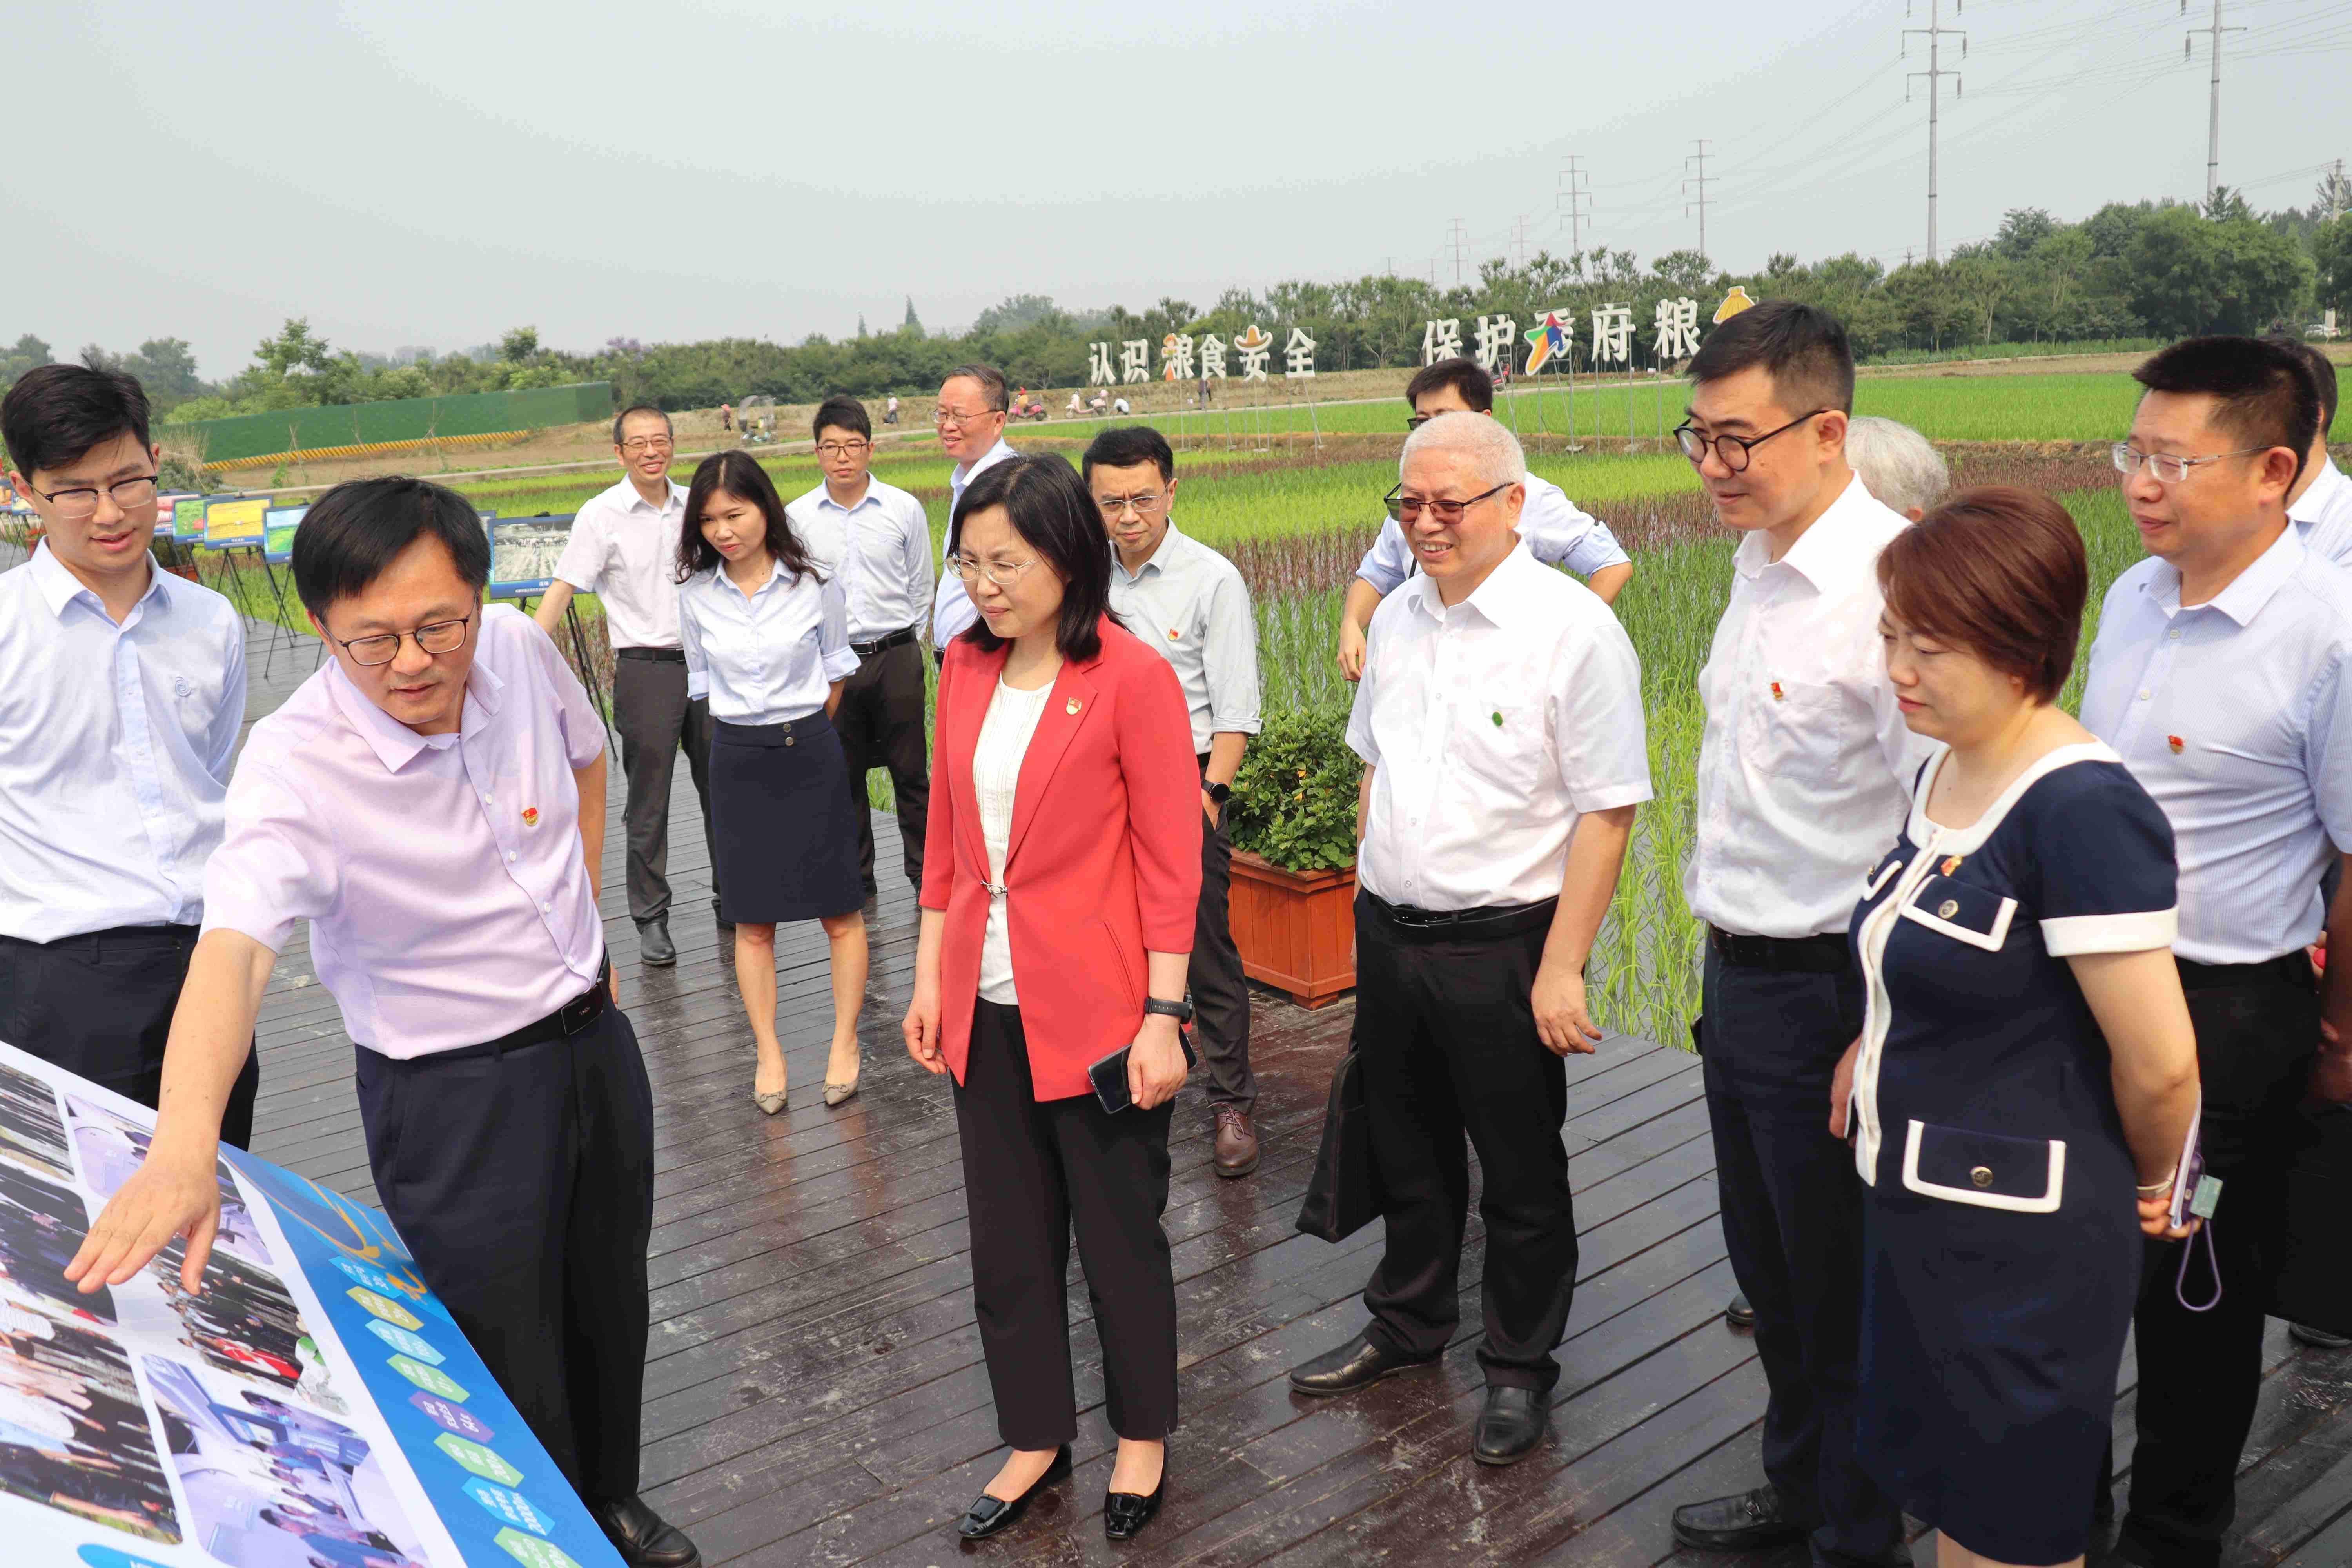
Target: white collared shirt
(1190, 602)
(1558, 532)
(880, 549)
(952, 609)
(771, 657)
(114, 749)
(442, 874)
(624, 550)
(2235, 716)
(1495, 724)
(1805, 764)
(2322, 514)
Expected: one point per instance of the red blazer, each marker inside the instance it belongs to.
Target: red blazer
(1105, 856)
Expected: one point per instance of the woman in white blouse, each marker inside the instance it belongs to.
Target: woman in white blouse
(766, 639)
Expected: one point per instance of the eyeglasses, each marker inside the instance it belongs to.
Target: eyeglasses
(1732, 450)
(83, 501)
(842, 448)
(439, 638)
(947, 418)
(1415, 421)
(644, 444)
(1408, 508)
(1142, 506)
(2168, 469)
(1003, 574)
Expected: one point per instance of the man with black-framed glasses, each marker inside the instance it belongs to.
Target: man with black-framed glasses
(1804, 768)
(121, 695)
(876, 537)
(974, 401)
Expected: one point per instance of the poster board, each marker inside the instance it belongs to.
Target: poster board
(315, 1402)
(278, 526)
(188, 519)
(167, 507)
(233, 524)
(523, 553)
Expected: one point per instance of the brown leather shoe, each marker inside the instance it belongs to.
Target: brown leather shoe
(1236, 1142)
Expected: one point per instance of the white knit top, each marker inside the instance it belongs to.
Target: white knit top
(1005, 736)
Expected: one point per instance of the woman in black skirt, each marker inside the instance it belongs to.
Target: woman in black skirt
(766, 640)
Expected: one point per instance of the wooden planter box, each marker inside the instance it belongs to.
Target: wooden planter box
(1296, 930)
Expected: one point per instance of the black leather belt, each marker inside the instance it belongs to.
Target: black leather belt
(2286, 969)
(658, 655)
(898, 638)
(1488, 923)
(1825, 954)
(564, 1022)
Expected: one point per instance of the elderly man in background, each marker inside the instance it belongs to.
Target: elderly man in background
(1897, 465)
(973, 404)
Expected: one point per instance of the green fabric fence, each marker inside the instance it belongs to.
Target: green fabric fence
(348, 425)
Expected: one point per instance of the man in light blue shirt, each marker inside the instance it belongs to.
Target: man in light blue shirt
(974, 403)
(121, 695)
(2220, 677)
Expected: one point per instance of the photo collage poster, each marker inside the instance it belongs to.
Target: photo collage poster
(313, 1406)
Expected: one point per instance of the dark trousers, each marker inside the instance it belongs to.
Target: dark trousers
(100, 1005)
(1031, 1167)
(880, 723)
(656, 718)
(1445, 1032)
(1792, 1225)
(1221, 1024)
(522, 1181)
(2257, 1033)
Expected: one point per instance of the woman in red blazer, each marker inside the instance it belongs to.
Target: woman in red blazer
(1061, 873)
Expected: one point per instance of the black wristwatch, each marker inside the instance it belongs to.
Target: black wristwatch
(1179, 1011)
(1218, 794)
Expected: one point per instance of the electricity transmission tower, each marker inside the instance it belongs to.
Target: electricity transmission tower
(1459, 241)
(1699, 180)
(1934, 32)
(1575, 193)
(2213, 125)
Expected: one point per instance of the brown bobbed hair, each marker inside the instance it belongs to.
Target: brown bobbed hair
(2001, 572)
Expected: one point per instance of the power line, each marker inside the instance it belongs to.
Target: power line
(1934, 33)
(1699, 180)
(1457, 241)
(1575, 191)
(2213, 127)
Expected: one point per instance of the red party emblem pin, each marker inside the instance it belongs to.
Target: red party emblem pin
(531, 816)
(2175, 742)
(1778, 695)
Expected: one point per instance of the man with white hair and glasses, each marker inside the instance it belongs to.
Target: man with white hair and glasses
(1500, 721)
(974, 405)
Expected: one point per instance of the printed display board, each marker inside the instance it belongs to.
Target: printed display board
(233, 524)
(278, 525)
(314, 1405)
(188, 519)
(523, 553)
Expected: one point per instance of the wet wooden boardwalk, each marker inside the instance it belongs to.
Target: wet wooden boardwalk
(815, 1392)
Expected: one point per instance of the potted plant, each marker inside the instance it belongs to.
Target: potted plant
(1293, 815)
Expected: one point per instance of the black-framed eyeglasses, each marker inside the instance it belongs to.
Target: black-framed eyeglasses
(644, 444)
(435, 638)
(82, 500)
(1732, 451)
(1407, 509)
(842, 448)
(1415, 421)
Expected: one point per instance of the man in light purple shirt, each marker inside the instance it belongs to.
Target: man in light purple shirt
(432, 801)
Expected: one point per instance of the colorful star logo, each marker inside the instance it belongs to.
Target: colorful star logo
(1550, 337)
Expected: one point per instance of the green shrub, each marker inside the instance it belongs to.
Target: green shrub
(1294, 799)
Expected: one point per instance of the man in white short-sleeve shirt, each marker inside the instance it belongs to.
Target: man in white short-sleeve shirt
(974, 405)
(1501, 723)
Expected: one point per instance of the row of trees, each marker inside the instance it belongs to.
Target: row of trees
(2158, 269)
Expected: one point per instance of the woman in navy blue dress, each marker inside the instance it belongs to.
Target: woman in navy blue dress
(2026, 1060)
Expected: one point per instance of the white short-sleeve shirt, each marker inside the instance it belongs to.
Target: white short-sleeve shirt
(624, 550)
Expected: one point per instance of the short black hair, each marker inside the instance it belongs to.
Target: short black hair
(351, 536)
(841, 411)
(2323, 375)
(1467, 376)
(2262, 390)
(1125, 446)
(57, 414)
(622, 419)
(1055, 515)
(737, 473)
(1802, 348)
(993, 385)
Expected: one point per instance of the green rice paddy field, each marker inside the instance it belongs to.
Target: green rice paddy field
(1295, 519)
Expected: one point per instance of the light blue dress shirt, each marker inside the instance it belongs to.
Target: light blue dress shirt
(1190, 603)
(952, 608)
(1558, 532)
(2233, 714)
(771, 657)
(114, 749)
(880, 549)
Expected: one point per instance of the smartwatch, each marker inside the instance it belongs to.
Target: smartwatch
(1179, 1011)
(1218, 793)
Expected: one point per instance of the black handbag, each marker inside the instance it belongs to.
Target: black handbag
(1345, 1194)
(2311, 1277)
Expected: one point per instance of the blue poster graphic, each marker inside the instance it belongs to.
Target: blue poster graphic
(524, 555)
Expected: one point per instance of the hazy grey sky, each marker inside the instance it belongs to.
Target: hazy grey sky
(438, 172)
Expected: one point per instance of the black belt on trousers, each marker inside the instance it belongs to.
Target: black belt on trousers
(2287, 968)
(1490, 922)
(565, 1021)
(1825, 954)
(94, 943)
(658, 655)
(898, 638)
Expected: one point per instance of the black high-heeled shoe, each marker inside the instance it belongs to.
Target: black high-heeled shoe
(1126, 1513)
(987, 1514)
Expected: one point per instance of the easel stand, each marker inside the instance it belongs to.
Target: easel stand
(579, 636)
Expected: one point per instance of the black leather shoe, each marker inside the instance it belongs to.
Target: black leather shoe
(987, 1514)
(653, 944)
(1749, 1522)
(1126, 1513)
(1510, 1426)
(1738, 1313)
(1356, 1364)
(2317, 1339)
(641, 1537)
